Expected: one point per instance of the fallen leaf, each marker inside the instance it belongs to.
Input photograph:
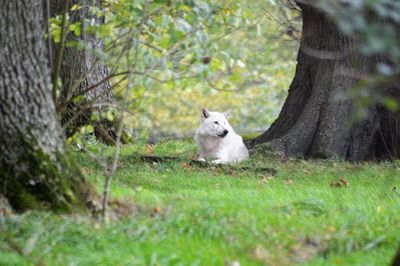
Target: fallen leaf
(288, 181)
(344, 181)
(149, 148)
(155, 211)
(186, 166)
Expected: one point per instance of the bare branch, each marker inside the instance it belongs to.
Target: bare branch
(152, 46)
(94, 86)
(131, 69)
(88, 105)
(59, 53)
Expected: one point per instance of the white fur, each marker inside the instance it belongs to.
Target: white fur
(211, 143)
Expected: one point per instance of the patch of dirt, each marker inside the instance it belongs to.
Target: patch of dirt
(306, 248)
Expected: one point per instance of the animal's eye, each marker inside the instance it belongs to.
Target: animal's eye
(216, 122)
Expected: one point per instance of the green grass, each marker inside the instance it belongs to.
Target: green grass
(188, 215)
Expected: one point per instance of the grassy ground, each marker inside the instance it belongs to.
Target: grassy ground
(188, 215)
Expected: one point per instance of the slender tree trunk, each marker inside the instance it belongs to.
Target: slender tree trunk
(315, 120)
(35, 168)
(84, 65)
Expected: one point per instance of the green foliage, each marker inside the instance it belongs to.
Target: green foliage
(246, 73)
(207, 216)
(55, 29)
(190, 54)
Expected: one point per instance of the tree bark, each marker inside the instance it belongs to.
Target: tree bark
(84, 65)
(315, 120)
(396, 260)
(35, 168)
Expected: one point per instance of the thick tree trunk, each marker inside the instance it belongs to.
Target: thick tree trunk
(35, 169)
(396, 260)
(315, 120)
(84, 65)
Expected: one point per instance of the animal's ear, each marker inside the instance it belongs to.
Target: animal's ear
(227, 114)
(205, 113)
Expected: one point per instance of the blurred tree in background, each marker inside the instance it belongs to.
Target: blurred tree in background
(191, 54)
(242, 59)
(76, 62)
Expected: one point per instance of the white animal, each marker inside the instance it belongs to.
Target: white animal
(217, 141)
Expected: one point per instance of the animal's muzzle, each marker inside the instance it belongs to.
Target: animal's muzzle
(224, 133)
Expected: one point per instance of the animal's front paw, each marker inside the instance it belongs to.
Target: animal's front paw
(201, 159)
(218, 161)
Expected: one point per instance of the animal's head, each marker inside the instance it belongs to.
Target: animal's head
(215, 124)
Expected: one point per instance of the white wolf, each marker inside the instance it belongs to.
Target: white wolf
(216, 139)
